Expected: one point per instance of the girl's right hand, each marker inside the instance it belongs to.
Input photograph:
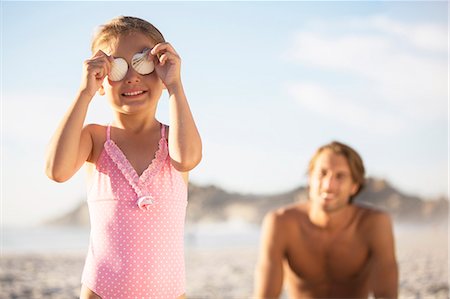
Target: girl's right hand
(95, 70)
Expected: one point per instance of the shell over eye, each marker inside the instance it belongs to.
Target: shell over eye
(142, 63)
(119, 68)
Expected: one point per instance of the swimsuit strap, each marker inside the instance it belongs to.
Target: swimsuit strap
(108, 132)
(163, 131)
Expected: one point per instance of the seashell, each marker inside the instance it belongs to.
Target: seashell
(142, 63)
(119, 68)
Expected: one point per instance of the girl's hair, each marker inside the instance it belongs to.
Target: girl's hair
(122, 25)
(354, 160)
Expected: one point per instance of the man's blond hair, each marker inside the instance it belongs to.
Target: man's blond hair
(354, 161)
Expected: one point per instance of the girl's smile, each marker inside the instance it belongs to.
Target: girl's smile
(133, 93)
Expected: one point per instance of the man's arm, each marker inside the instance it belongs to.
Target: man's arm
(269, 270)
(385, 270)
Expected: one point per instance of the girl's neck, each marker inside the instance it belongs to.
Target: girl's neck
(135, 123)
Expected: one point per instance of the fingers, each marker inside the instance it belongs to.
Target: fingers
(99, 53)
(167, 56)
(165, 52)
(99, 65)
(163, 47)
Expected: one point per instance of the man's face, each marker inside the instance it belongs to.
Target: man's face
(330, 182)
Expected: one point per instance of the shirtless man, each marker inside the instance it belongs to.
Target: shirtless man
(328, 247)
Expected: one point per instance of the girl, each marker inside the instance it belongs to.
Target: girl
(137, 168)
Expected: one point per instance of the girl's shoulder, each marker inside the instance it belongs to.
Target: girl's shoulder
(98, 137)
(97, 132)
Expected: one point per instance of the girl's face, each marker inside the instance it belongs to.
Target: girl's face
(135, 92)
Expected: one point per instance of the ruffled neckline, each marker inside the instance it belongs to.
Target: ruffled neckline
(138, 183)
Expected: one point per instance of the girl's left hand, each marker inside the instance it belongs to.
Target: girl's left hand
(167, 64)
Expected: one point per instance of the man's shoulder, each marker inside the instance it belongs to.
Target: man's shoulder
(300, 208)
(371, 216)
(282, 224)
(369, 210)
(289, 213)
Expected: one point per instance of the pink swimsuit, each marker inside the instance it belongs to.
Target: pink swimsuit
(137, 227)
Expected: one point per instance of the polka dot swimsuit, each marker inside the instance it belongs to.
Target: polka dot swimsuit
(137, 227)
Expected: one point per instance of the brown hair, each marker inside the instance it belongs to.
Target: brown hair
(354, 160)
(123, 25)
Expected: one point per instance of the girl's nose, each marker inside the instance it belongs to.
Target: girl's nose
(132, 76)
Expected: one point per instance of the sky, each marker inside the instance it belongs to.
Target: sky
(267, 82)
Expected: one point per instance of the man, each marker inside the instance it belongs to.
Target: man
(328, 247)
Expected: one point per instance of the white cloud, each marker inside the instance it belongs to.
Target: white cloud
(396, 62)
(429, 37)
(345, 109)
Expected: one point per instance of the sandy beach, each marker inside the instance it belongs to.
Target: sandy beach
(225, 273)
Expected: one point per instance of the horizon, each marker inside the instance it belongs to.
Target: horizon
(82, 202)
(373, 75)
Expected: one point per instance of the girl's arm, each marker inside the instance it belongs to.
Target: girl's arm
(71, 144)
(185, 145)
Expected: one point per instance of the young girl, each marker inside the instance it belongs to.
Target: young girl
(137, 168)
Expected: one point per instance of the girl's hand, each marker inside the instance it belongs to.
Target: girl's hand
(95, 70)
(167, 65)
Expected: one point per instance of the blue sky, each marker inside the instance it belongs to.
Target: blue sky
(268, 83)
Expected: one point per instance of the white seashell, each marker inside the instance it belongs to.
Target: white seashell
(142, 64)
(119, 68)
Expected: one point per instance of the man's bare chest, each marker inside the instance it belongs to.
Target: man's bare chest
(335, 258)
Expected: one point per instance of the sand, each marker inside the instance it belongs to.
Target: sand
(224, 273)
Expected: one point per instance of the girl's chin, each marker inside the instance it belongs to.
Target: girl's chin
(130, 108)
(133, 101)
(132, 104)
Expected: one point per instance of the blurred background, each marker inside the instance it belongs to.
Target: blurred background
(268, 83)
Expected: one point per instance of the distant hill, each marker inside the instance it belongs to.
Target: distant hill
(213, 204)
(403, 207)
